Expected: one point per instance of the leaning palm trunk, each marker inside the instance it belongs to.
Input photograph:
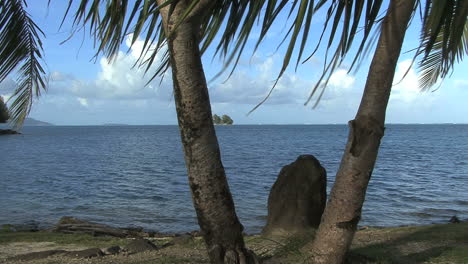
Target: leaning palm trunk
(343, 210)
(212, 199)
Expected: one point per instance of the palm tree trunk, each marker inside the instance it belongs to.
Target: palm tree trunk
(343, 210)
(212, 199)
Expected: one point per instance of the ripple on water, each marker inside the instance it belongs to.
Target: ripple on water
(136, 175)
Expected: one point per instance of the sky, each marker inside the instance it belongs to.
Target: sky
(88, 90)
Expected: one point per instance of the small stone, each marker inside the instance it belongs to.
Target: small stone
(112, 250)
(454, 220)
(87, 253)
(140, 245)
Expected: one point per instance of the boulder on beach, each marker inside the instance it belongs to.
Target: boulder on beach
(298, 197)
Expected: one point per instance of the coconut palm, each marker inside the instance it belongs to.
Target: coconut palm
(188, 28)
(20, 51)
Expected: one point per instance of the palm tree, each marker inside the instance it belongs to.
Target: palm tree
(343, 210)
(20, 51)
(182, 25)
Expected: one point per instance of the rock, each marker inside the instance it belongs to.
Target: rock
(298, 197)
(37, 255)
(454, 220)
(71, 225)
(87, 253)
(140, 245)
(112, 250)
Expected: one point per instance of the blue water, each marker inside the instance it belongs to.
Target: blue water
(135, 175)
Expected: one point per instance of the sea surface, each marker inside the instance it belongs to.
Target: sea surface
(135, 175)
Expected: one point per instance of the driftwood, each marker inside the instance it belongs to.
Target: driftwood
(71, 225)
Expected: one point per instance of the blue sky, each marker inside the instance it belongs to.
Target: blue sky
(84, 91)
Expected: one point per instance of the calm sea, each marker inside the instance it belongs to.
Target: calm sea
(135, 175)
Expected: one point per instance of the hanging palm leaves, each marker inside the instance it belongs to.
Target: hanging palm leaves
(444, 39)
(21, 50)
(234, 21)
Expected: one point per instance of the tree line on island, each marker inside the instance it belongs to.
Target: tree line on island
(4, 115)
(223, 120)
(189, 27)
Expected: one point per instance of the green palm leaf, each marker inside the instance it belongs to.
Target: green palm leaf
(234, 21)
(444, 39)
(20, 46)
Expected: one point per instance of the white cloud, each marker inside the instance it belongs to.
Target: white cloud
(405, 89)
(251, 85)
(83, 101)
(6, 88)
(342, 80)
(118, 79)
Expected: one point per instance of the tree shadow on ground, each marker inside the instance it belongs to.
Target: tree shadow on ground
(416, 246)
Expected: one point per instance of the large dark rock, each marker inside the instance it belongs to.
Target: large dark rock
(298, 197)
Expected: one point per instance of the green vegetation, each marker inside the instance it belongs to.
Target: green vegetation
(224, 120)
(3, 111)
(59, 238)
(445, 243)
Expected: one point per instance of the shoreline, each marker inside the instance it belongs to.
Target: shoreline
(439, 243)
(34, 226)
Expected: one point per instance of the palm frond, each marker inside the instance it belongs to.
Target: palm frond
(444, 39)
(21, 46)
(234, 22)
(344, 17)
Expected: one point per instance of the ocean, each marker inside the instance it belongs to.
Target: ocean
(135, 176)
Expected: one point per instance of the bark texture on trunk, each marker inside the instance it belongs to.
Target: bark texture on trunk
(343, 210)
(211, 196)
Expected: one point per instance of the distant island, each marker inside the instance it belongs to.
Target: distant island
(114, 124)
(5, 129)
(223, 120)
(34, 122)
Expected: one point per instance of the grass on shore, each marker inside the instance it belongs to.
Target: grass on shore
(60, 239)
(444, 243)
